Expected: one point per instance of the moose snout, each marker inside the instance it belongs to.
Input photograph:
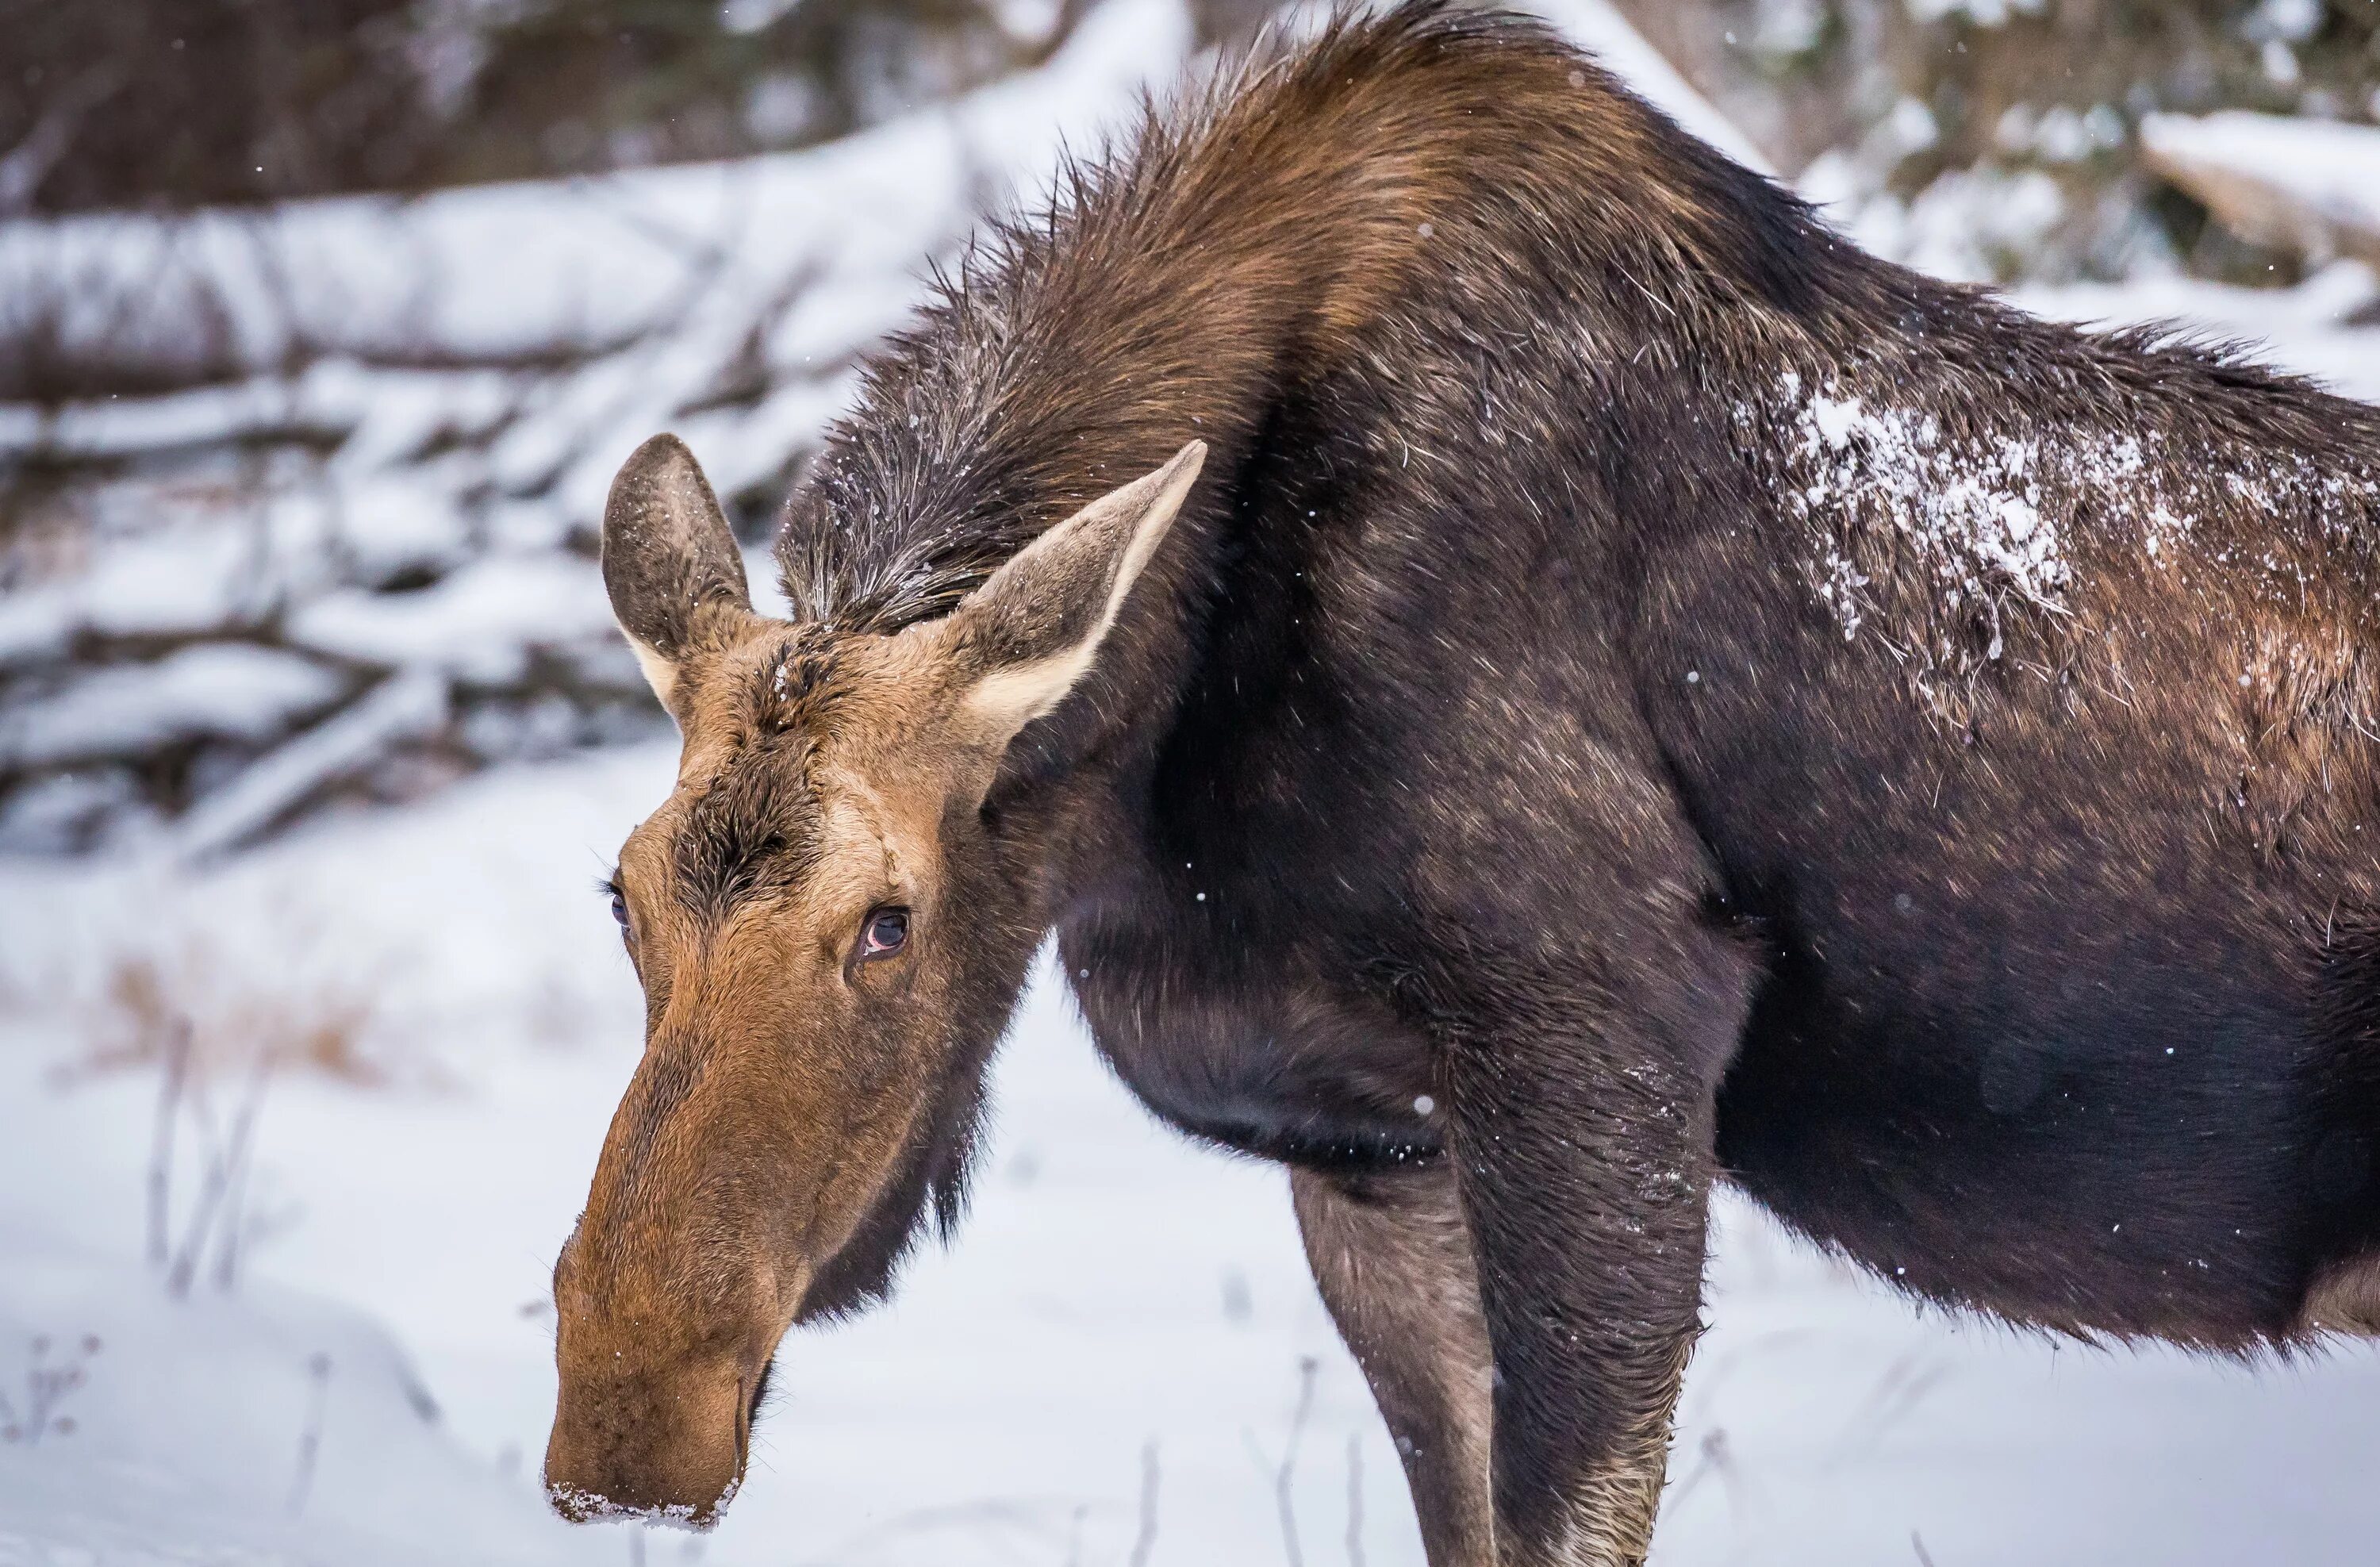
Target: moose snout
(665, 1443)
(672, 1294)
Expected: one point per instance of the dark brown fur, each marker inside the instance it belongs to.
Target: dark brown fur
(1644, 693)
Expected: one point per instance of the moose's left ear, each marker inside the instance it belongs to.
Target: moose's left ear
(1030, 633)
(667, 551)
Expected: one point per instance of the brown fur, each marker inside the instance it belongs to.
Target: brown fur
(816, 784)
(1392, 1256)
(1643, 695)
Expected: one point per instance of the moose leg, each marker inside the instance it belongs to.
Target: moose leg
(1584, 1162)
(1391, 1255)
(1584, 1004)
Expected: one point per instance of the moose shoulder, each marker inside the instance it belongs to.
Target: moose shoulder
(1528, 676)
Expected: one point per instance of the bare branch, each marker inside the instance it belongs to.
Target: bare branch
(161, 1142)
(1146, 1540)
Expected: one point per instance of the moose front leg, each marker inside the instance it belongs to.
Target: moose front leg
(1392, 1256)
(1582, 1141)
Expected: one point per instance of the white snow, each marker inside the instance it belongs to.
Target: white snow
(1114, 1288)
(186, 1441)
(488, 271)
(1982, 514)
(480, 623)
(229, 688)
(2329, 169)
(176, 582)
(1957, 227)
(1972, 510)
(494, 270)
(401, 707)
(1125, 1322)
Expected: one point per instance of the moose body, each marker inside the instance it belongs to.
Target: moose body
(1638, 694)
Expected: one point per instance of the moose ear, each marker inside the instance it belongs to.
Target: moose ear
(667, 551)
(1031, 632)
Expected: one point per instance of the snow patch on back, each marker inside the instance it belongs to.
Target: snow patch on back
(1973, 510)
(1938, 532)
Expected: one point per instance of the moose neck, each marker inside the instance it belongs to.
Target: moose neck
(1222, 283)
(1234, 258)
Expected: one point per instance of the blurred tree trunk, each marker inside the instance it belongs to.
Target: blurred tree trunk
(2000, 137)
(1230, 22)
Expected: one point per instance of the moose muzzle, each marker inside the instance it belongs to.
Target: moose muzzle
(656, 1440)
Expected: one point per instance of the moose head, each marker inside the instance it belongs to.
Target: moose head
(830, 932)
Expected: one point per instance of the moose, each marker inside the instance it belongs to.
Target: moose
(1527, 677)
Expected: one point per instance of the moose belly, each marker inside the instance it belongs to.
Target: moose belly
(1277, 1070)
(2128, 1149)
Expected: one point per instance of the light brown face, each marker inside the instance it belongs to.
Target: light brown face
(829, 940)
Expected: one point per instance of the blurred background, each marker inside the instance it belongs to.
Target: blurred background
(323, 325)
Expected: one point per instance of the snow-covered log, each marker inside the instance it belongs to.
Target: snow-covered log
(2308, 186)
(339, 455)
(405, 706)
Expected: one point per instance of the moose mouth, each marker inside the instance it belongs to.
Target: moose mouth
(587, 1507)
(600, 1501)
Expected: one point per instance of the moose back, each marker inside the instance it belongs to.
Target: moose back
(1528, 677)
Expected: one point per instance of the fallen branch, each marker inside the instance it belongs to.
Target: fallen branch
(405, 705)
(2310, 187)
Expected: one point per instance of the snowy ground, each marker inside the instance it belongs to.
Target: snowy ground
(1111, 1364)
(1119, 1305)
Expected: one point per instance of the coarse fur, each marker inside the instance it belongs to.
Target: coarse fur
(1642, 693)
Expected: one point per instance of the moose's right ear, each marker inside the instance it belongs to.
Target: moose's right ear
(667, 552)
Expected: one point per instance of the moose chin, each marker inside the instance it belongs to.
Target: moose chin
(1527, 678)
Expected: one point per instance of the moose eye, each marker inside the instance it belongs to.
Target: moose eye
(887, 932)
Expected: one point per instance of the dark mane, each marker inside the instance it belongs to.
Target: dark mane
(1233, 241)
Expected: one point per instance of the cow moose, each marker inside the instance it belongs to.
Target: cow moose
(1527, 677)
